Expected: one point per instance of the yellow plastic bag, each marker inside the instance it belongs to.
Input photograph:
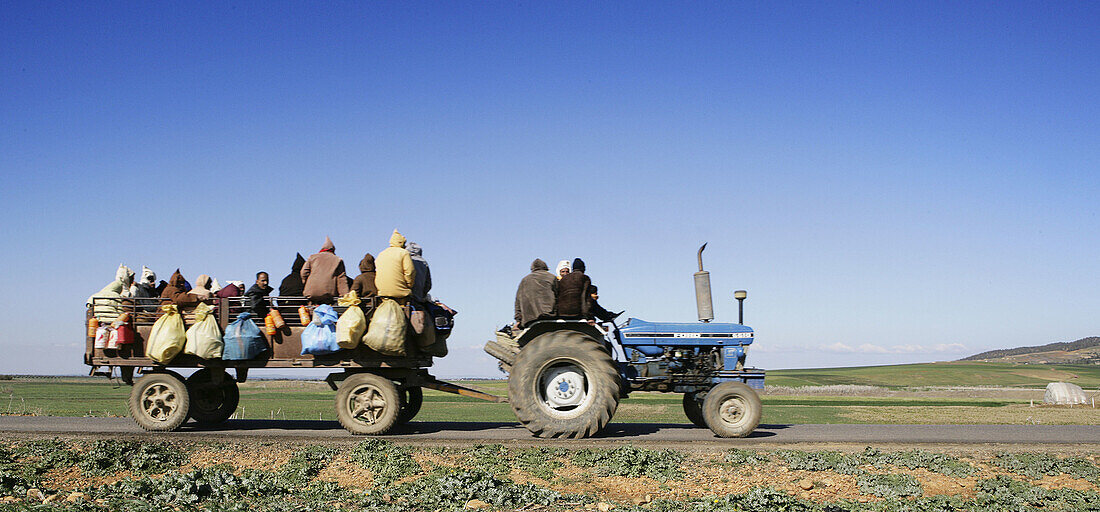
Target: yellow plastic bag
(168, 337)
(352, 324)
(204, 339)
(386, 332)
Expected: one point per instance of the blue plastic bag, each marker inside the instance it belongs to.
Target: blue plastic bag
(243, 339)
(319, 337)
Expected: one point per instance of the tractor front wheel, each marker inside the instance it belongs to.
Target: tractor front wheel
(732, 409)
(564, 384)
(693, 409)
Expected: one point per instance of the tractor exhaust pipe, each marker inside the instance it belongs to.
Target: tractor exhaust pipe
(702, 291)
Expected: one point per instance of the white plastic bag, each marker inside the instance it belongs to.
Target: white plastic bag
(204, 338)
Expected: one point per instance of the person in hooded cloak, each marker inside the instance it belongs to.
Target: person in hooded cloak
(363, 285)
(203, 287)
(535, 295)
(573, 300)
(292, 285)
(176, 292)
(106, 306)
(396, 274)
(324, 275)
(422, 275)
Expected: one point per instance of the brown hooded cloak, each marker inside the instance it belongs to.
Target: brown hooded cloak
(175, 293)
(324, 275)
(363, 286)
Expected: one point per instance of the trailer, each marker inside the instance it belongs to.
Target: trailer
(374, 392)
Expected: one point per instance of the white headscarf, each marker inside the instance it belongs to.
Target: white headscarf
(561, 264)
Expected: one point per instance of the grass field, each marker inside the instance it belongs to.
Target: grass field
(262, 399)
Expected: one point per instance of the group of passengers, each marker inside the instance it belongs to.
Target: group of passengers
(399, 273)
(567, 294)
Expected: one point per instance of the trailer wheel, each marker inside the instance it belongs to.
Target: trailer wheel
(212, 402)
(564, 384)
(411, 399)
(693, 409)
(732, 409)
(159, 402)
(367, 404)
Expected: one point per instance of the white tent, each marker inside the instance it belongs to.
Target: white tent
(1064, 393)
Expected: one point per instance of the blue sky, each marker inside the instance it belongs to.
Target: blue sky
(891, 182)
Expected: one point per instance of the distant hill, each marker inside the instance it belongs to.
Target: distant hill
(1082, 351)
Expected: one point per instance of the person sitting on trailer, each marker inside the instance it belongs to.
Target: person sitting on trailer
(256, 303)
(324, 276)
(292, 285)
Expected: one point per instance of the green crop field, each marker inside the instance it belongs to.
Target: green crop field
(283, 399)
(942, 374)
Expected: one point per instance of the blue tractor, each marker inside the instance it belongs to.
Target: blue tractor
(566, 377)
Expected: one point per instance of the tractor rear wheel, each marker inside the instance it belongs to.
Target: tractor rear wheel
(693, 409)
(732, 409)
(564, 384)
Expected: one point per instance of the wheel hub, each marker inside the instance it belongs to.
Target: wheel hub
(159, 402)
(367, 404)
(732, 411)
(564, 387)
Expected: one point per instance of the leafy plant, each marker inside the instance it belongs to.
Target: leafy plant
(822, 461)
(108, 457)
(387, 461)
(307, 464)
(888, 485)
(1035, 465)
(539, 462)
(935, 462)
(632, 461)
(450, 489)
(738, 456)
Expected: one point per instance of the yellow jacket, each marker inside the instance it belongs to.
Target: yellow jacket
(395, 271)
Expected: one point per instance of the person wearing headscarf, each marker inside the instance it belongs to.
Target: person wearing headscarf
(107, 305)
(292, 285)
(324, 275)
(176, 293)
(535, 295)
(202, 288)
(231, 289)
(256, 293)
(422, 276)
(573, 300)
(396, 274)
(562, 270)
(363, 285)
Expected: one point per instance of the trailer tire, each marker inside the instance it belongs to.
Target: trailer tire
(159, 402)
(693, 409)
(564, 384)
(412, 398)
(212, 404)
(367, 404)
(732, 409)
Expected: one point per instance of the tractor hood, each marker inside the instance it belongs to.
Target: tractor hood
(640, 332)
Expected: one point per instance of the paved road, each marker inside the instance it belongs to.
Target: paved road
(647, 433)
